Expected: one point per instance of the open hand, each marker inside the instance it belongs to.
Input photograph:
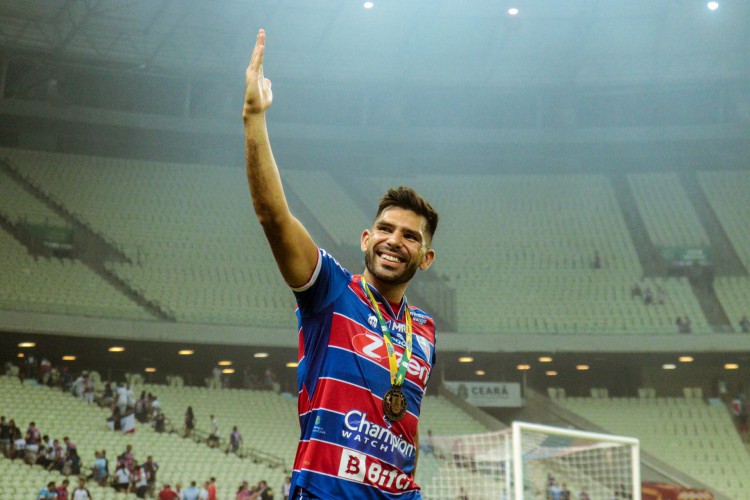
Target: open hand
(258, 95)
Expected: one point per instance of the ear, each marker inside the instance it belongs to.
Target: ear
(363, 240)
(427, 259)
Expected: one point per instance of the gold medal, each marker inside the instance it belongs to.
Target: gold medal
(394, 404)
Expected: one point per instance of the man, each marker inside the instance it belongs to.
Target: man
(62, 490)
(365, 355)
(151, 469)
(212, 489)
(81, 493)
(191, 493)
(47, 492)
(167, 494)
(235, 441)
(213, 437)
(5, 436)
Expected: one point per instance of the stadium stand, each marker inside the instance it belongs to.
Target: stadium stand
(268, 422)
(538, 235)
(734, 294)
(667, 212)
(17, 205)
(60, 286)
(686, 433)
(539, 232)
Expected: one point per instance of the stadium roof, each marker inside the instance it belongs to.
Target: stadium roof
(548, 42)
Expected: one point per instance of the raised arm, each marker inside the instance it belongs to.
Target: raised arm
(294, 250)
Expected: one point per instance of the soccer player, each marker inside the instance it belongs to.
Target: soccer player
(365, 355)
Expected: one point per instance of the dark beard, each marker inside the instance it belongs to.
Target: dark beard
(406, 276)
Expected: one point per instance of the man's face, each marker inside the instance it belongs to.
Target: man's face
(396, 246)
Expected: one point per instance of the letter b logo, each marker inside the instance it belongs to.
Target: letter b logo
(352, 465)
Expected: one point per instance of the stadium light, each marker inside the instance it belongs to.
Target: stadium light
(260, 355)
(712, 5)
(479, 372)
(545, 359)
(292, 364)
(185, 352)
(669, 366)
(582, 368)
(551, 373)
(368, 5)
(513, 11)
(228, 371)
(465, 359)
(150, 370)
(27, 344)
(68, 358)
(523, 367)
(731, 366)
(224, 363)
(20, 355)
(685, 359)
(116, 348)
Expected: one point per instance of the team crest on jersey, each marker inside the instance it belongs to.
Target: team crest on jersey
(372, 321)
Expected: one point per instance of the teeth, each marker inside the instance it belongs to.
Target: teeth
(390, 258)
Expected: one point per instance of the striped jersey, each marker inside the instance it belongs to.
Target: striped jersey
(347, 448)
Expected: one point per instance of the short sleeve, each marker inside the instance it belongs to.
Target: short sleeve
(326, 283)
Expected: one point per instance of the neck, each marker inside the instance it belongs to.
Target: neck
(391, 293)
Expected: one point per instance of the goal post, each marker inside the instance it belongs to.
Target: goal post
(528, 462)
(601, 464)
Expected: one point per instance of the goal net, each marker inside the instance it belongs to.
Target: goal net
(530, 462)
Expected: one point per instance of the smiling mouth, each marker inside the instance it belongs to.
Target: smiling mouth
(390, 258)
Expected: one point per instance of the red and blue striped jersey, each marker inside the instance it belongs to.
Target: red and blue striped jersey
(347, 448)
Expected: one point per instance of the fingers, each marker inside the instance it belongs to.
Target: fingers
(257, 58)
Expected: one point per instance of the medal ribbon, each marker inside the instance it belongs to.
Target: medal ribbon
(398, 370)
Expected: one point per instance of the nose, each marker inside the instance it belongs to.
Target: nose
(394, 239)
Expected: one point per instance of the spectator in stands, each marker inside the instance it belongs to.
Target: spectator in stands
(189, 421)
(151, 469)
(597, 262)
(243, 493)
(683, 325)
(426, 443)
(235, 440)
(263, 491)
(99, 470)
(203, 491)
(47, 492)
(661, 296)
(128, 458)
(167, 494)
(62, 490)
(56, 457)
(286, 488)
(69, 445)
(212, 489)
(122, 398)
(636, 291)
(33, 436)
(45, 367)
(67, 379)
(108, 396)
(554, 492)
(88, 388)
(19, 445)
(139, 479)
(583, 495)
(739, 411)
(155, 405)
(78, 385)
(122, 478)
(191, 493)
(745, 324)
(72, 463)
(565, 495)
(5, 436)
(81, 492)
(159, 421)
(141, 413)
(213, 436)
(648, 296)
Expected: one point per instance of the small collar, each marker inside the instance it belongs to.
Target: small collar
(387, 305)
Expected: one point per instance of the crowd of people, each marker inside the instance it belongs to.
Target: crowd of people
(129, 475)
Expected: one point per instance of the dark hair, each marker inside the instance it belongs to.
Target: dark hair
(408, 199)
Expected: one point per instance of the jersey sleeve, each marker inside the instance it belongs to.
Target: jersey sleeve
(327, 282)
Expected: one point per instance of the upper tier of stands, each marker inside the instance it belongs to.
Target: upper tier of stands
(688, 434)
(666, 211)
(517, 249)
